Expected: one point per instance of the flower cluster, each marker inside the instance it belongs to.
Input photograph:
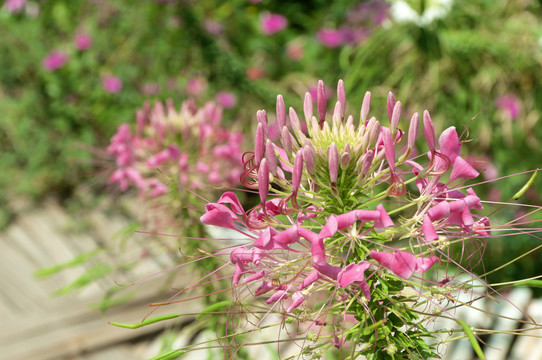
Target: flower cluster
(352, 215)
(188, 145)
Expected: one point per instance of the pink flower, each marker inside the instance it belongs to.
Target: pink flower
(213, 27)
(196, 86)
(510, 105)
(272, 23)
(330, 38)
(226, 99)
(54, 61)
(14, 6)
(82, 42)
(111, 84)
(150, 89)
(295, 51)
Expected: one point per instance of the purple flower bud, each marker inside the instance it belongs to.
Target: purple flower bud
(286, 139)
(391, 104)
(281, 112)
(367, 162)
(263, 180)
(429, 131)
(389, 149)
(365, 106)
(271, 157)
(297, 172)
(395, 116)
(341, 96)
(261, 115)
(337, 118)
(308, 156)
(259, 144)
(333, 154)
(296, 126)
(345, 156)
(321, 101)
(413, 130)
(307, 107)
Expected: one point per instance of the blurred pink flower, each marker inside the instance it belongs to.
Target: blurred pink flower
(272, 23)
(150, 89)
(14, 6)
(196, 86)
(82, 42)
(295, 51)
(54, 61)
(331, 38)
(510, 105)
(213, 27)
(226, 99)
(111, 84)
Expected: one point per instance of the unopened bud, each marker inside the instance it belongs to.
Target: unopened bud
(365, 106)
(321, 101)
(341, 96)
(281, 112)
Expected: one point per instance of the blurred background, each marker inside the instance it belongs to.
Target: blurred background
(73, 71)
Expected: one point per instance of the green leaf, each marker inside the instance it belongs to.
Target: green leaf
(146, 322)
(97, 271)
(78, 260)
(218, 307)
(530, 283)
(470, 335)
(525, 187)
(170, 355)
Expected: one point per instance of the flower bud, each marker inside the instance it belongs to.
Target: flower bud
(286, 139)
(341, 96)
(429, 131)
(365, 106)
(271, 157)
(297, 172)
(333, 155)
(308, 156)
(259, 144)
(321, 102)
(395, 116)
(281, 112)
(391, 104)
(307, 107)
(263, 180)
(345, 157)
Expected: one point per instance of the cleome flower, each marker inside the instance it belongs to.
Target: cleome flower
(352, 214)
(187, 145)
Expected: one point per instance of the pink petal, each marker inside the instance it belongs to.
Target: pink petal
(218, 217)
(428, 229)
(230, 198)
(353, 272)
(424, 264)
(298, 298)
(439, 211)
(255, 276)
(449, 143)
(462, 170)
(330, 228)
(265, 287)
(279, 295)
(309, 279)
(385, 220)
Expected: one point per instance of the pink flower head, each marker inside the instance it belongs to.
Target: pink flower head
(196, 86)
(272, 23)
(213, 27)
(509, 105)
(14, 6)
(82, 42)
(330, 38)
(111, 84)
(54, 61)
(226, 99)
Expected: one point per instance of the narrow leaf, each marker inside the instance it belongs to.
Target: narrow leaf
(170, 355)
(78, 260)
(530, 283)
(470, 335)
(97, 271)
(146, 322)
(525, 187)
(219, 306)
